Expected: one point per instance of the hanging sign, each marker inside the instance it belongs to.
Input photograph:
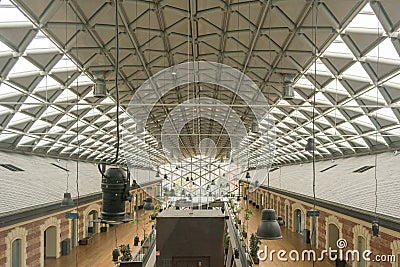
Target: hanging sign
(71, 215)
(313, 213)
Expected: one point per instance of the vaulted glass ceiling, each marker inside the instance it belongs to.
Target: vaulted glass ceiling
(50, 49)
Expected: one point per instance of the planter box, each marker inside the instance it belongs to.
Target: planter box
(86, 241)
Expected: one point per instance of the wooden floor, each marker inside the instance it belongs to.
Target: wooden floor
(99, 252)
(290, 241)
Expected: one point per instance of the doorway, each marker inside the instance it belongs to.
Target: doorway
(333, 236)
(361, 247)
(50, 242)
(298, 221)
(91, 225)
(191, 261)
(74, 227)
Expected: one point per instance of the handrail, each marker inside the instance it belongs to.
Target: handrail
(144, 252)
(244, 254)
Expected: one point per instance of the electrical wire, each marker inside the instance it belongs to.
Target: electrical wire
(314, 15)
(117, 76)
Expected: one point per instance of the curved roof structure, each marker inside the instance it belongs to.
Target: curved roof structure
(342, 57)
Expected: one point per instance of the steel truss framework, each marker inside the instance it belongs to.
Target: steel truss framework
(50, 49)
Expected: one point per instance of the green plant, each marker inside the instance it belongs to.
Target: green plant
(254, 242)
(226, 241)
(126, 253)
(247, 214)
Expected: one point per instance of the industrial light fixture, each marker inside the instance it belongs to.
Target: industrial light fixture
(254, 127)
(115, 254)
(248, 175)
(212, 182)
(187, 179)
(148, 204)
(288, 92)
(67, 200)
(375, 228)
(115, 185)
(310, 146)
(99, 86)
(165, 177)
(157, 174)
(268, 228)
(136, 241)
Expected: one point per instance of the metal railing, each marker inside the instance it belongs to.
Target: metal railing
(145, 251)
(240, 243)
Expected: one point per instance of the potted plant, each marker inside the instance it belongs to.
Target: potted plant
(244, 232)
(254, 242)
(226, 243)
(126, 256)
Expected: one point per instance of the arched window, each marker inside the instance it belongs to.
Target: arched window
(361, 241)
(16, 253)
(16, 247)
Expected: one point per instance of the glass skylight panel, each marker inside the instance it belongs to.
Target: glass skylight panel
(336, 86)
(7, 91)
(64, 63)
(385, 113)
(9, 13)
(364, 121)
(375, 96)
(39, 124)
(360, 142)
(321, 69)
(26, 139)
(18, 118)
(303, 82)
(4, 136)
(82, 79)
(338, 47)
(41, 42)
(320, 98)
(56, 129)
(66, 96)
(347, 126)
(46, 83)
(23, 66)
(357, 70)
(384, 50)
(4, 110)
(366, 19)
(4, 48)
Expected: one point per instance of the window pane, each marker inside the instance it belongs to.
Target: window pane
(16, 253)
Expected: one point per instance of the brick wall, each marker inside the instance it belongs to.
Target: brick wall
(378, 246)
(33, 239)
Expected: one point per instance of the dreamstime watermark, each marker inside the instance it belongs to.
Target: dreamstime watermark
(331, 254)
(177, 135)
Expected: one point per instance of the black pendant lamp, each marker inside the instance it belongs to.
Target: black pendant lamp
(148, 204)
(212, 182)
(157, 174)
(67, 200)
(310, 146)
(136, 241)
(248, 175)
(172, 192)
(187, 179)
(268, 228)
(115, 255)
(165, 177)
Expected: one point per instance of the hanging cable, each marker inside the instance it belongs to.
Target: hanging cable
(117, 76)
(315, 15)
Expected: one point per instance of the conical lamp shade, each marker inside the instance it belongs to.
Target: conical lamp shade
(268, 228)
(248, 175)
(310, 146)
(67, 200)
